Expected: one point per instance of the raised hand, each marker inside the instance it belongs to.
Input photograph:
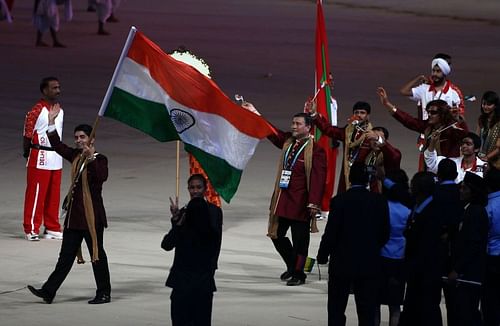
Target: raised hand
(54, 112)
(382, 94)
(422, 79)
(249, 106)
(371, 135)
(384, 98)
(311, 107)
(174, 206)
(88, 151)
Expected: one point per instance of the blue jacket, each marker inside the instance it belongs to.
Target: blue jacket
(493, 210)
(398, 215)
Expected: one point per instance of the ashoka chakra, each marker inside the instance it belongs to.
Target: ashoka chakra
(181, 119)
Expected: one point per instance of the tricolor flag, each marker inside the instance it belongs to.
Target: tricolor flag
(324, 103)
(170, 100)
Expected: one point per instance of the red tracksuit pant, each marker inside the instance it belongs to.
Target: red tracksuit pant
(41, 201)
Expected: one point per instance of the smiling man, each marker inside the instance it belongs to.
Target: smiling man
(196, 235)
(298, 191)
(85, 217)
(468, 161)
(351, 136)
(423, 89)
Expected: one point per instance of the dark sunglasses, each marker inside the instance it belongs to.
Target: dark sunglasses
(432, 112)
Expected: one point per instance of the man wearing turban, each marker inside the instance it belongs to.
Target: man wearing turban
(423, 89)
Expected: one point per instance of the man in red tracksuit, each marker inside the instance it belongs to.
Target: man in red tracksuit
(44, 166)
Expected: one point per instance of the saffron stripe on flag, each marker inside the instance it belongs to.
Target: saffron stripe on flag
(168, 100)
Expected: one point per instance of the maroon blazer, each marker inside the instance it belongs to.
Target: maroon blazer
(335, 133)
(450, 139)
(97, 174)
(392, 161)
(392, 156)
(293, 201)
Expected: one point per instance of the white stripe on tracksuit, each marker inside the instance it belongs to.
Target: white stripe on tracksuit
(34, 208)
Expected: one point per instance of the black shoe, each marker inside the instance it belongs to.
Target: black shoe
(103, 298)
(41, 294)
(103, 32)
(295, 281)
(59, 45)
(286, 276)
(41, 44)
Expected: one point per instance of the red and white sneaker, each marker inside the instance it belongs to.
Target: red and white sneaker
(32, 236)
(53, 235)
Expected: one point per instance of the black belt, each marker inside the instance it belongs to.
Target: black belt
(45, 148)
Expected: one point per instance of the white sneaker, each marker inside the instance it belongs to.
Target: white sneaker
(32, 236)
(53, 235)
(323, 215)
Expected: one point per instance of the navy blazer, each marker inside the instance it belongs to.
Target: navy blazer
(358, 227)
(197, 244)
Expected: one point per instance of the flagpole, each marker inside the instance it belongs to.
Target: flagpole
(94, 127)
(105, 101)
(126, 47)
(177, 177)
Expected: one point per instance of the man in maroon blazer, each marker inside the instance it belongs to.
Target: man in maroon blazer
(380, 156)
(351, 136)
(85, 217)
(297, 195)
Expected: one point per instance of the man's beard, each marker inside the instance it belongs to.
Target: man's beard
(438, 80)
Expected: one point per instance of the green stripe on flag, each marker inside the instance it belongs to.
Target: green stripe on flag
(150, 117)
(223, 176)
(328, 93)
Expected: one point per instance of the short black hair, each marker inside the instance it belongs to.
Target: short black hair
(400, 191)
(475, 139)
(478, 189)
(447, 170)
(360, 105)
(87, 129)
(383, 130)
(45, 82)
(198, 176)
(307, 118)
(358, 174)
(423, 184)
(492, 179)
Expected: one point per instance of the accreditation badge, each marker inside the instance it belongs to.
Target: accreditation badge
(285, 178)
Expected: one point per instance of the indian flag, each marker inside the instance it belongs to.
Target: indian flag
(170, 100)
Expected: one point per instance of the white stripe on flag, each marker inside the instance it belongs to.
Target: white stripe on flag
(212, 133)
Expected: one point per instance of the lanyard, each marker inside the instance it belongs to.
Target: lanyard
(285, 159)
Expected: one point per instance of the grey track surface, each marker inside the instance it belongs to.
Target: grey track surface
(261, 49)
